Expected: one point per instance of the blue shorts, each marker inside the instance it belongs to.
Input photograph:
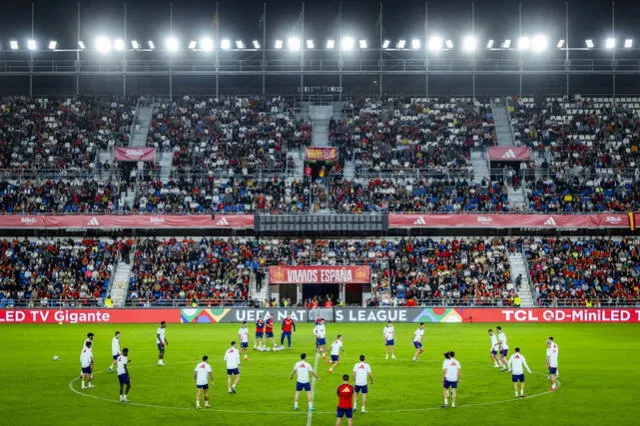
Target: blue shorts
(494, 352)
(553, 370)
(205, 387)
(233, 371)
(244, 344)
(417, 345)
(86, 370)
(453, 385)
(259, 334)
(161, 347)
(124, 379)
(335, 358)
(344, 412)
(517, 378)
(390, 342)
(286, 333)
(321, 341)
(504, 352)
(269, 335)
(303, 386)
(363, 389)
(115, 357)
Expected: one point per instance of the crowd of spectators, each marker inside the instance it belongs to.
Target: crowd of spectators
(597, 271)
(55, 272)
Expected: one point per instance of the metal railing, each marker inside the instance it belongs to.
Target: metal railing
(587, 303)
(184, 303)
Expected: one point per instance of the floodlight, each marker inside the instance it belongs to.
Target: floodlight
(192, 44)
(560, 44)
(610, 43)
(490, 44)
(385, 44)
(171, 43)
(347, 43)
(81, 44)
(524, 43)
(310, 44)
(13, 44)
(448, 44)
(293, 43)
(135, 44)
(435, 43)
(589, 43)
(279, 44)
(362, 44)
(415, 43)
(103, 44)
(506, 44)
(401, 44)
(118, 44)
(225, 44)
(32, 45)
(240, 44)
(331, 44)
(628, 43)
(151, 44)
(206, 44)
(53, 44)
(256, 44)
(469, 43)
(539, 43)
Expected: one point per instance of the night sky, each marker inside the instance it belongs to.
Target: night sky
(148, 19)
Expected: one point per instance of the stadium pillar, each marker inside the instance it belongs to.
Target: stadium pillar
(78, 55)
(264, 48)
(33, 11)
(302, 44)
(426, 51)
(566, 37)
(520, 35)
(380, 76)
(124, 54)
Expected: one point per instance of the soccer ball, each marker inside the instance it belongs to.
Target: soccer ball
(56, 357)
(59, 322)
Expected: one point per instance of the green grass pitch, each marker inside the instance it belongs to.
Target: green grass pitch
(599, 377)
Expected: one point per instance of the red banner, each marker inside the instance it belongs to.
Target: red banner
(497, 315)
(135, 154)
(509, 153)
(321, 154)
(129, 221)
(508, 221)
(88, 316)
(319, 274)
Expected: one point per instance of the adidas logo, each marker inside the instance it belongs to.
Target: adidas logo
(93, 222)
(223, 222)
(420, 221)
(551, 222)
(509, 154)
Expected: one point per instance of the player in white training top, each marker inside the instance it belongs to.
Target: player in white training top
(115, 350)
(417, 341)
(362, 372)
(203, 375)
(243, 334)
(161, 340)
(552, 362)
(494, 350)
(451, 375)
(123, 374)
(517, 363)
(320, 331)
(86, 364)
(303, 369)
(389, 334)
(504, 348)
(336, 348)
(232, 358)
(84, 344)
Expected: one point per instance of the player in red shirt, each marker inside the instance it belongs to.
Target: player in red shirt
(345, 401)
(288, 326)
(258, 343)
(268, 331)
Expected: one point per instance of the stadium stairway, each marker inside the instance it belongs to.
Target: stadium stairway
(349, 171)
(298, 160)
(518, 268)
(261, 295)
(120, 286)
(517, 199)
(166, 161)
(480, 166)
(502, 122)
(143, 115)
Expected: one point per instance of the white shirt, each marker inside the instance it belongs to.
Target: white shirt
(320, 331)
(160, 336)
(84, 344)
(417, 336)
(389, 332)
(244, 334)
(502, 338)
(335, 347)
(202, 377)
(517, 363)
(451, 367)
(122, 364)
(232, 357)
(552, 355)
(494, 342)
(86, 356)
(115, 346)
(360, 371)
(303, 370)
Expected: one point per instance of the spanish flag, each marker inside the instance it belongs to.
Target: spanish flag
(632, 221)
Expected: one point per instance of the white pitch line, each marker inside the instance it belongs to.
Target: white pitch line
(313, 388)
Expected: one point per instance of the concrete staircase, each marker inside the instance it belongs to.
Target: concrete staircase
(298, 161)
(120, 285)
(480, 166)
(166, 160)
(349, 171)
(517, 264)
(516, 198)
(502, 122)
(143, 115)
(263, 294)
